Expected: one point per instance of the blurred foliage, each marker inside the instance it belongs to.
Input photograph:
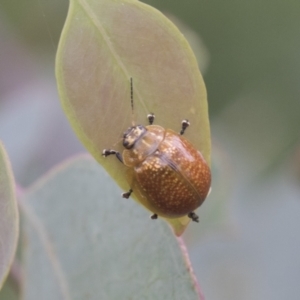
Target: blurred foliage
(38, 22)
(8, 291)
(9, 221)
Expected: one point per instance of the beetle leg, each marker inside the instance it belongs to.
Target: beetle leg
(184, 125)
(127, 194)
(193, 216)
(151, 118)
(154, 217)
(107, 152)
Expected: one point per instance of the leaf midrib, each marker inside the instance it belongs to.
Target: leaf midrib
(94, 20)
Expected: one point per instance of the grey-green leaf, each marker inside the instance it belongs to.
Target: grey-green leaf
(9, 217)
(83, 241)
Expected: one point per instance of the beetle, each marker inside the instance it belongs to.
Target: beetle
(164, 168)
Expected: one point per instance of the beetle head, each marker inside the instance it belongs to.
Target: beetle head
(133, 134)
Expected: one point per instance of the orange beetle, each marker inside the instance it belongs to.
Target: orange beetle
(165, 169)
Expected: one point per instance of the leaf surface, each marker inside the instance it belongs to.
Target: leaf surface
(103, 44)
(83, 241)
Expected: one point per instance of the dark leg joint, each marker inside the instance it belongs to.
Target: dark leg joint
(184, 125)
(151, 118)
(107, 152)
(154, 217)
(193, 216)
(127, 194)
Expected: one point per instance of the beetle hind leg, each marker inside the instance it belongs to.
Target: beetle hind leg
(184, 125)
(154, 217)
(194, 217)
(127, 194)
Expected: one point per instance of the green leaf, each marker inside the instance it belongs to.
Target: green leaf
(103, 44)
(9, 291)
(83, 241)
(9, 217)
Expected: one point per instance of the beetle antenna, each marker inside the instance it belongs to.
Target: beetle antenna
(131, 99)
(117, 142)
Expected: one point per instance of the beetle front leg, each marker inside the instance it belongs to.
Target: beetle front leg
(107, 152)
(184, 125)
(151, 118)
(193, 216)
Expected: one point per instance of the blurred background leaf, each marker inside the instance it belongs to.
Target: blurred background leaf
(88, 242)
(8, 291)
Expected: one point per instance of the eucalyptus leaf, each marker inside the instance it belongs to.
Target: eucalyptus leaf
(9, 217)
(83, 241)
(104, 43)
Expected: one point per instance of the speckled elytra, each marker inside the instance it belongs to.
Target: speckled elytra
(164, 168)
